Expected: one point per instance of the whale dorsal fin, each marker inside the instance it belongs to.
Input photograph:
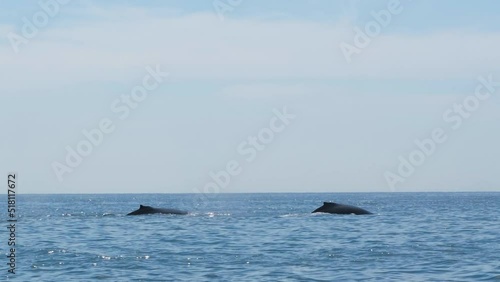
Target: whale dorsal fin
(141, 207)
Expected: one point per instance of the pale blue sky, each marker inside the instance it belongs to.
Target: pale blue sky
(353, 120)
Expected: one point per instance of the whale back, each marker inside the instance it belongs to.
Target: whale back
(150, 210)
(142, 210)
(325, 207)
(330, 207)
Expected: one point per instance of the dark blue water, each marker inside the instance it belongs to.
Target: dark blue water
(258, 237)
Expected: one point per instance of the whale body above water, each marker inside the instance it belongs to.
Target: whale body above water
(329, 207)
(150, 210)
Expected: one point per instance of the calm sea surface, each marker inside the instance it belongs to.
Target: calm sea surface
(257, 237)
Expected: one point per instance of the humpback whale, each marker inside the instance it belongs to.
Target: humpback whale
(329, 207)
(149, 210)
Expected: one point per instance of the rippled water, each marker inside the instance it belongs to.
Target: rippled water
(258, 237)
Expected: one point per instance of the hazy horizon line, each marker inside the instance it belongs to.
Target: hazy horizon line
(225, 193)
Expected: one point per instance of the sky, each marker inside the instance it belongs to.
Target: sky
(232, 96)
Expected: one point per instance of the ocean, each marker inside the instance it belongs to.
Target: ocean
(256, 237)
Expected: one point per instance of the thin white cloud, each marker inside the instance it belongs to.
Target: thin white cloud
(199, 46)
(282, 90)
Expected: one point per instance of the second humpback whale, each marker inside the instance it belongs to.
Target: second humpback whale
(329, 207)
(149, 210)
